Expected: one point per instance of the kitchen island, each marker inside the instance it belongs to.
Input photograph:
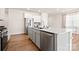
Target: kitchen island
(52, 39)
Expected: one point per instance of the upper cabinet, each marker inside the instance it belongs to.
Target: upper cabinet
(41, 18)
(36, 16)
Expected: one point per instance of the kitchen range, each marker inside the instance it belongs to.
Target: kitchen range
(3, 37)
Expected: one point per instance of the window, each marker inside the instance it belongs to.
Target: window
(72, 21)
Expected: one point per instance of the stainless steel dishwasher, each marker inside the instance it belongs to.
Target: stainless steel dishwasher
(47, 42)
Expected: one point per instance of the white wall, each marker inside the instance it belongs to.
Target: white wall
(55, 21)
(16, 21)
(2, 13)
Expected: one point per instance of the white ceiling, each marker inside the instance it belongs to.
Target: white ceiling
(51, 10)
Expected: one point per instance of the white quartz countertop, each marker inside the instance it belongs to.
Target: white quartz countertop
(55, 30)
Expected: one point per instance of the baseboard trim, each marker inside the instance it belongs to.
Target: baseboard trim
(18, 34)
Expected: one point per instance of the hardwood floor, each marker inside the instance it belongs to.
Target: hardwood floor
(21, 42)
(75, 42)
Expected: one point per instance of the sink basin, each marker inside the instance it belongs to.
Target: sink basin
(40, 28)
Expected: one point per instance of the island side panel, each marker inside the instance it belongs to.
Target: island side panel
(63, 41)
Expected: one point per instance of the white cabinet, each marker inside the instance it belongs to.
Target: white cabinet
(37, 19)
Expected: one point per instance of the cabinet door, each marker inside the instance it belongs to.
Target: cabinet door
(46, 42)
(30, 32)
(34, 36)
(38, 38)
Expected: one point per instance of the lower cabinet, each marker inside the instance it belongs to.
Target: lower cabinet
(30, 32)
(34, 34)
(42, 39)
(38, 38)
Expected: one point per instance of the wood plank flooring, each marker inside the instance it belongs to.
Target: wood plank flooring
(21, 42)
(75, 42)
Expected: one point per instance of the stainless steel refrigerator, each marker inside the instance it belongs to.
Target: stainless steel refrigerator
(28, 22)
